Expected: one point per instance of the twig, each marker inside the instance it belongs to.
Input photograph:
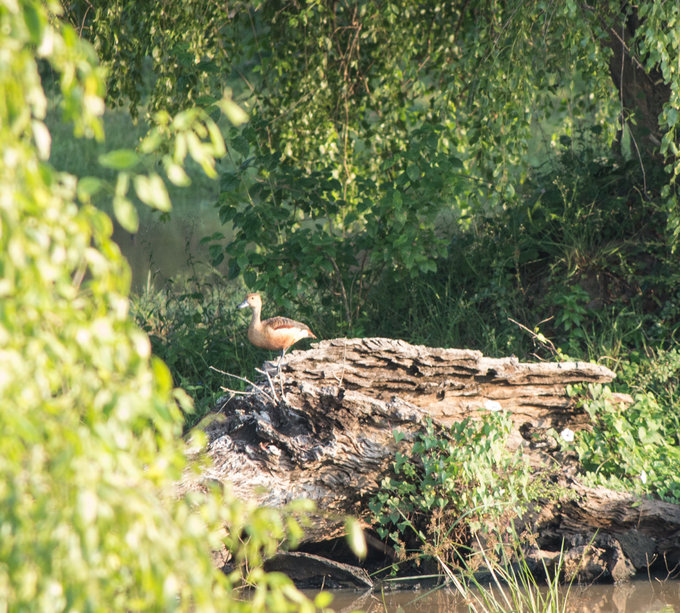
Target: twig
(345, 301)
(623, 114)
(231, 391)
(257, 387)
(271, 383)
(344, 362)
(538, 338)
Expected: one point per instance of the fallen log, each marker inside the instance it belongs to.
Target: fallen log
(325, 432)
(308, 569)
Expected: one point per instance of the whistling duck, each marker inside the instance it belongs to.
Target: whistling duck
(276, 333)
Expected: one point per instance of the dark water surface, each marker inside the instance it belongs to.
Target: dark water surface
(642, 595)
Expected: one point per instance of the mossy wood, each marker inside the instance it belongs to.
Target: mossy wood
(332, 440)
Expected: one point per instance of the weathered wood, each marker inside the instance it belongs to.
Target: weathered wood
(448, 383)
(313, 570)
(620, 533)
(331, 440)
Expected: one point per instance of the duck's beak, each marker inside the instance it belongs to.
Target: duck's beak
(243, 305)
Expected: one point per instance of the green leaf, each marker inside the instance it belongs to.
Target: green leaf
(152, 191)
(119, 159)
(33, 22)
(126, 213)
(355, 537)
(397, 200)
(176, 174)
(235, 114)
(88, 187)
(161, 374)
(413, 172)
(249, 277)
(201, 153)
(216, 138)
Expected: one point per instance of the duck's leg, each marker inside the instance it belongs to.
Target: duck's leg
(278, 363)
(278, 370)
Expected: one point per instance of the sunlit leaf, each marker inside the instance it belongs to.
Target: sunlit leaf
(176, 174)
(43, 140)
(126, 213)
(235, 114)
(355, 537)
(152, 191)
(216, 138)
(119, 159)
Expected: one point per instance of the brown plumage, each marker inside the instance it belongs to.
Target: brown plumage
(276, 333)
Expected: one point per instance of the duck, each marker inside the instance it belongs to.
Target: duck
(275, 333)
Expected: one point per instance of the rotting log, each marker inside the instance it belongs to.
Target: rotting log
(329, 437)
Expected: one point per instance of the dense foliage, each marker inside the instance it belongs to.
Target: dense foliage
(90, 423)
(461, 174)
(379, 128)
(440, 172)
(636, 447)
(449, 493)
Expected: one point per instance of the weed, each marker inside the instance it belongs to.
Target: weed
(516, 586)
(632, 448)
(453, 489)
(658, 374)
(193, 324)
(513, 582)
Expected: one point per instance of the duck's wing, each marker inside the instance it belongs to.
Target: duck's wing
(283, 323)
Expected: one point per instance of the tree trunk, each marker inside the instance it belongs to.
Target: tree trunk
(331, 439)
(643, 92)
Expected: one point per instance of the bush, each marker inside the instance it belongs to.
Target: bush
(90, 427)
(637, 447)
(582, 256)
(453, 488)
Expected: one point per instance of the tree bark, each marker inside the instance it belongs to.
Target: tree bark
(643, 92)
(329, 437)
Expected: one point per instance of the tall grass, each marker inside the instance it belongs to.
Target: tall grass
(514, 586)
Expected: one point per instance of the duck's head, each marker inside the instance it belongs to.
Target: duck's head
(253, 301)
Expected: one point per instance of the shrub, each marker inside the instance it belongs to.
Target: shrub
(582, 255)
(90, 427)
(453, 488)
(635, 448)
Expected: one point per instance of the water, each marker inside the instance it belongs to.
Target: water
(161, 249)
(164, 249)
(642, 595)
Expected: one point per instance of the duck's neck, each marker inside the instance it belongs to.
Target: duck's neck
(255, 321)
